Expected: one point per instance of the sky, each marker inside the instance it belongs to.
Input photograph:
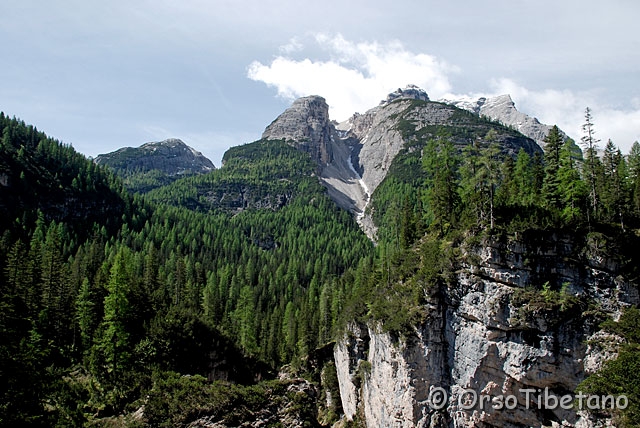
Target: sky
(101, 75)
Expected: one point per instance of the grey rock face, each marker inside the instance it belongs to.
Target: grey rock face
(412, 92)
(479, 337)
(172, 157)
(354, 156)
(306, 125)
(503, 109)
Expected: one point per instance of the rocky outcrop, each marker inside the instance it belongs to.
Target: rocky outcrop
(355, 156)
(487, 337)
(503, 109)
(411, 92)
(305, 125)
(379, 135)
(171, 157)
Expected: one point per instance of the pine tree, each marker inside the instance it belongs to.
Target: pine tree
(56, 296)
(85, 314)
(591, 165)
(614, 195)
(523, 180)
(245, 321)
(489, 175)
(441, 165)
(407, 224)
(470, 187)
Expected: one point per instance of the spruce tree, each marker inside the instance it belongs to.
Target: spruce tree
(571, 188)
(114, 345)
(551, 185)
(523, 179)
(634, 177)
(441, 166)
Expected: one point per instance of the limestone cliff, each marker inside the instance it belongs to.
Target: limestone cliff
(355, 156)
(490, 334)
(503, 109)
(305, 125)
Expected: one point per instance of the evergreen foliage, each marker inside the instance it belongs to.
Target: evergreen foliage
(620, 375)
(100, 285)
(107, 298)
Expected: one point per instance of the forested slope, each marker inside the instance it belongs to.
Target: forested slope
(185, 299)
(103, 293)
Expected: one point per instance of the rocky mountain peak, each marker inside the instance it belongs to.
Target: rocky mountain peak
(409, 92)
(305, 125)
(169, 142)
(171, 156)
(503, 109)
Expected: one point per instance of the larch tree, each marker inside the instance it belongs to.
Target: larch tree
(551, 185)
(114, 345)
(572, 189)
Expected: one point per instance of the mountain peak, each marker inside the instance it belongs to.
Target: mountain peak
(171, 156)
(305, 125)
(169, 142)
(409, 92)
(503, 109)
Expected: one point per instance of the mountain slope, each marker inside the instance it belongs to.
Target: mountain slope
(491, 272)
(40, 174)
(155, 164)
(120, 295)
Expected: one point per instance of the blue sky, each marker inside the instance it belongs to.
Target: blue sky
(103, 75)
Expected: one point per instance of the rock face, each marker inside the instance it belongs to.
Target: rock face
(379, 135)
(171, 157)
(482, 338)
(411, 92)
(305, 125)
(503, 109)
(354, 156)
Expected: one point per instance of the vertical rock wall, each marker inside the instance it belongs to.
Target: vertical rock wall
(480, 336)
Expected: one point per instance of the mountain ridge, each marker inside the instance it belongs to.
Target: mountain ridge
(354, 156)
(171, 156)
(503, 109)
(155, 164)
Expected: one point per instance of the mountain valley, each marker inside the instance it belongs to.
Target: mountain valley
(328, 274)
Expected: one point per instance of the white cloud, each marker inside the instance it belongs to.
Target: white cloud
(355, 77)
(294, 45)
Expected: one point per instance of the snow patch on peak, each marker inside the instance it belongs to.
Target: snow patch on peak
(503, 109)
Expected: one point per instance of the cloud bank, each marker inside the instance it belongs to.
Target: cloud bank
(354, 77)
